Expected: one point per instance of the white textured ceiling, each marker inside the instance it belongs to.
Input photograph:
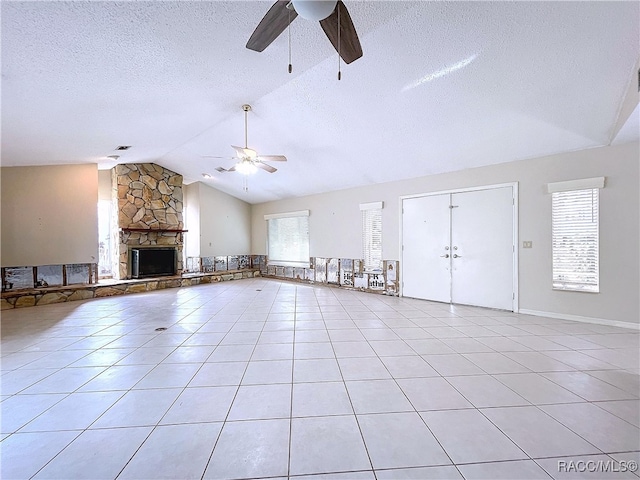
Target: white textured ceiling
(442, 86)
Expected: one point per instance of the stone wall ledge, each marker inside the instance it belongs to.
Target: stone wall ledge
(69, 293)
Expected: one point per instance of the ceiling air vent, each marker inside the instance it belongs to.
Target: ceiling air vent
(123, 147)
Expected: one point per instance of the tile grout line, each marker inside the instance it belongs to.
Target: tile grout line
(410, 403)
(225, 421)
(344, 383)
(359, 326)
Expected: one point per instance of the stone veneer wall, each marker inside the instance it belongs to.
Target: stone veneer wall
(147, 197)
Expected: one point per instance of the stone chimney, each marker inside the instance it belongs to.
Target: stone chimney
(148, 212)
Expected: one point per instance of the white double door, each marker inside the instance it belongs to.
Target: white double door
(459, 247)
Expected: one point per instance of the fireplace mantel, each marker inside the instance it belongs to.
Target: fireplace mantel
(156, 230)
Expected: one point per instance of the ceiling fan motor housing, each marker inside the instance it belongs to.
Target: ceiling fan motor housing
(314, 9)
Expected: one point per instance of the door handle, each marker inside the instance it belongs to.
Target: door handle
(446, 255)
(455, 255)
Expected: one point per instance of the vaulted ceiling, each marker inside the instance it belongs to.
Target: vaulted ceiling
(442, 86)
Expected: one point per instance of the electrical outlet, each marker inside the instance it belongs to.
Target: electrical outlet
(527, 244)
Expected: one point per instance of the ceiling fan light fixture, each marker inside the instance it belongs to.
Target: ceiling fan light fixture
(246, 167)
(314, 9)
(250, 153)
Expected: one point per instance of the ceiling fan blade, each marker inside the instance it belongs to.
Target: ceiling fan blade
(272, 158)
(239, 151)
(271, 26)
(266, 167)
(224, 158)
(232, 169)
(350, 49)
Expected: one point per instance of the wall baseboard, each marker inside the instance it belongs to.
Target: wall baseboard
(578, 318)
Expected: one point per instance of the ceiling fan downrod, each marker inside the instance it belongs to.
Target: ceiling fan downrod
(289, 7)
(247, 108)
(339, 72)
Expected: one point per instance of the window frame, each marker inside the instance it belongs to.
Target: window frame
(287, 215)
(575, 235)
(371, 220)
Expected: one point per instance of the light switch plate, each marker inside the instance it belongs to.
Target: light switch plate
(527, 244)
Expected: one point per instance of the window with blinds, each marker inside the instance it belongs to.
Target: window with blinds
(372, 236)
(288, 239)
(575, 240)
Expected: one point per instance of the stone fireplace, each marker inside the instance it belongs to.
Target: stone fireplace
(147, 213)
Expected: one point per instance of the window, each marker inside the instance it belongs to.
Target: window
(288, 238)
(104, 238)
(372, 236)
(575, 236)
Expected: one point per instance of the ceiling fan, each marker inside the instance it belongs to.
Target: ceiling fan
(247, 160)
(333, 16)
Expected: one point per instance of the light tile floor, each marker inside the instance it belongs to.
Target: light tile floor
(266, 379)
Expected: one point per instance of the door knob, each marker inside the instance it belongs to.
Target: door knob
(446, 255)
(455, 255)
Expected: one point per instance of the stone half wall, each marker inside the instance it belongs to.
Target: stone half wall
(148, 200)
(46, 296)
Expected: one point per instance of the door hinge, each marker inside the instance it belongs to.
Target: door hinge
(513, 296)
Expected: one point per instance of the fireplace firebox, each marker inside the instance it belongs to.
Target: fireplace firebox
(153, 262)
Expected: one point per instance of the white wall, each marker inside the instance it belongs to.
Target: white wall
(334, 224)
(105, 188)
(49, 215)
(192, 219)
(218, 224)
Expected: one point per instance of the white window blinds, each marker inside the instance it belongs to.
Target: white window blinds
(372, 236)
(288, 238)
(575, 240)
